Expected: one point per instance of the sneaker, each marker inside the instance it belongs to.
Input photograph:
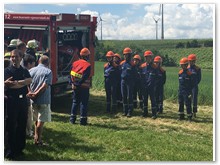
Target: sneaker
(154, 117)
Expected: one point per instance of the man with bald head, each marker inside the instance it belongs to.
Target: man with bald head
(40, 93)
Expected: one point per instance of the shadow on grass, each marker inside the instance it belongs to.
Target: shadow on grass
(61, 147)
(97, 107)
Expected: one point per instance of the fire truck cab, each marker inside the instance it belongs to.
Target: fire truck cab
(61, 35)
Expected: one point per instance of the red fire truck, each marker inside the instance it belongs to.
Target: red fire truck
(64, 35)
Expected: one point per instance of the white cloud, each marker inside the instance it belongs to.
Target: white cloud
(180, 21)
(92, 13)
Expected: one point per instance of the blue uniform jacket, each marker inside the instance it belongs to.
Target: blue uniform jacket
(185, 81)
(196, 73)
(111, 70)
(128, 71)
(161, 76)
(138, 73)
(148, 75)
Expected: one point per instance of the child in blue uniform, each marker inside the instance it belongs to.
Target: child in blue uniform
(160, 81)
(127, 82)
(148, 75)
(196, 73)
(110, 74)
(138, 85)
(117, 60)
(185, 88)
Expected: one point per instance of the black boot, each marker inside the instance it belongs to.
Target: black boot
(189, 118)
(125, 110)
(181, 117)
(145, 113)
(72, 119)
(83, 121)
(194, 111)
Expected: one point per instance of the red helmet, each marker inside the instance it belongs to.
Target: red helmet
(117, 55)
(127, 50)
(84, 52)
(184, 60)
(148, 53)
(110, 54)
(192, 57)
(137, 57)
(157, 59)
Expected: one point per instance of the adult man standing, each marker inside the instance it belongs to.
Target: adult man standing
(16, 81)
(40, 93)
(80, 79)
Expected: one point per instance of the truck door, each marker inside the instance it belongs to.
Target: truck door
(70, 42)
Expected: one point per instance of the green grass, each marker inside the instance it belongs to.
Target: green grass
(112, 137)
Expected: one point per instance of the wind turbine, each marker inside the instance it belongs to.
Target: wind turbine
(156, 21)
(100, 20)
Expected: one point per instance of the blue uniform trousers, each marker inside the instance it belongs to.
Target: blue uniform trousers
(80, 100)
(127, 95)
(159, 97)
(137, 92)
(184, 98)
(118, 93)
(111, 97)
(195, 98)
(149, 91)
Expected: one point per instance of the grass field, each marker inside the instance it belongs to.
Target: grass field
(112, 137)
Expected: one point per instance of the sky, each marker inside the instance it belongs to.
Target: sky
(135, 21)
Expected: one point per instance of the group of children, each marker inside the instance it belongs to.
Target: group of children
(128, 79)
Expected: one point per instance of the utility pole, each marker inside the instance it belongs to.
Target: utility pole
(162, 27)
